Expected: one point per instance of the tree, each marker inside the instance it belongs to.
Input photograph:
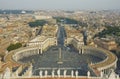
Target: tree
(66, 20)
(109, 31)
(37, 23)
(14, 46)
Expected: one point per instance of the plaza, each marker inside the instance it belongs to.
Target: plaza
(71, 59)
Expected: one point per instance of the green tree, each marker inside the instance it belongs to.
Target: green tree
(66, 20)
(14, 46)
(109, 31)
(37, 23)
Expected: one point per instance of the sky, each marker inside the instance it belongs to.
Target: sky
(60, 4)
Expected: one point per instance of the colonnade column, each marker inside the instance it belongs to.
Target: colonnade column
(105, 71)
(41, 51)
(88, 74)
(0, 62)
(115, 65)
(82, 50)
(101, 74)
(38, 50)
(56, 42)
(79, 51)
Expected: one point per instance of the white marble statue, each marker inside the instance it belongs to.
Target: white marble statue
(88, 74)
(76, 74)
(40, 73)
(53, 73)
(65, 71)
(72, 73)
(58, 72)
(46, 73)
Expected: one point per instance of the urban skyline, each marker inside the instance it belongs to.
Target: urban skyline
(60, 39)
(60, 4)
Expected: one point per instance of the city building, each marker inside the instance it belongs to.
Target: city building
(106, 43)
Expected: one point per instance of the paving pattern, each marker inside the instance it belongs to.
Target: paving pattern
(71, 59)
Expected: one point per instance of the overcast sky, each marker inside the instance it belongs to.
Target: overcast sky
(60, 4)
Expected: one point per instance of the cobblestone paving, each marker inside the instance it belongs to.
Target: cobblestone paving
(70, 58)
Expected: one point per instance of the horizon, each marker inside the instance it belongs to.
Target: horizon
(60, 5)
